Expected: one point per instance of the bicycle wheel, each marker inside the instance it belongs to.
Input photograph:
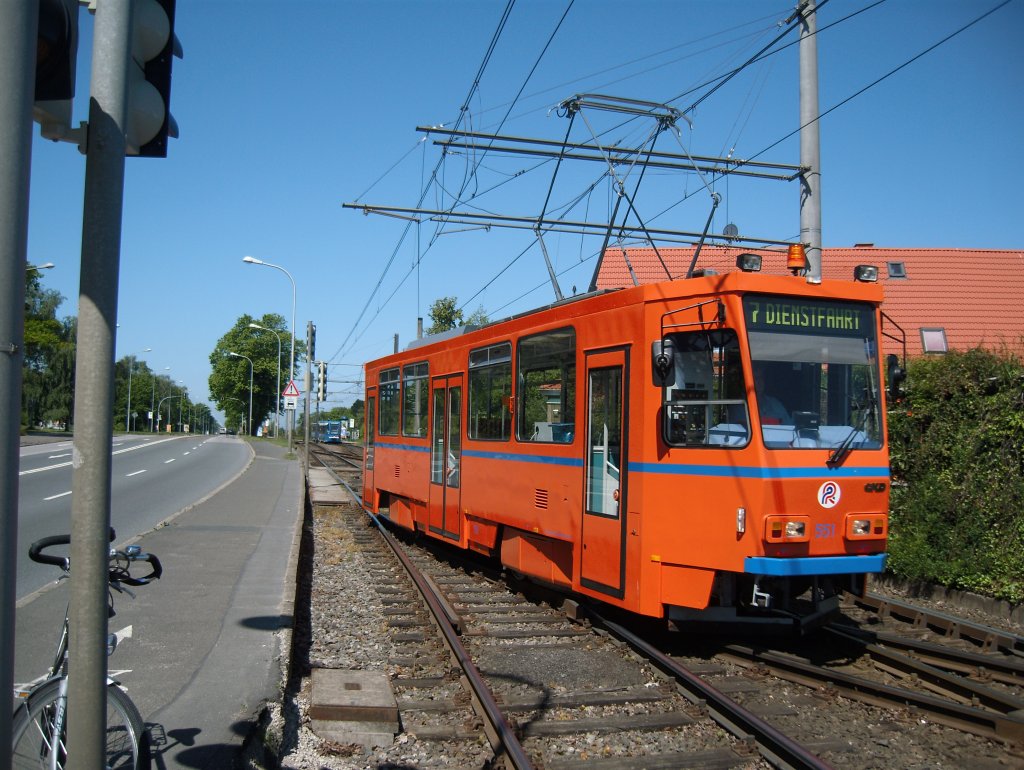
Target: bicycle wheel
(127, 742)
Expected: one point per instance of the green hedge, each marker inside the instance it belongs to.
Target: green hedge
(957, 444)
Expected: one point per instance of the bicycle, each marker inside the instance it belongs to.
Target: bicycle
(40, 720)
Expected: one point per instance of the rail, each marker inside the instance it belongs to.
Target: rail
(500, 733)
(987, 637)
(777, 748)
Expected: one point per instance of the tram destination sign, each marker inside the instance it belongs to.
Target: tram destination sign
(808, 316)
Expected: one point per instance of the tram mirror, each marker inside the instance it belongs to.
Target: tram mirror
(662, 362)
(897, 374)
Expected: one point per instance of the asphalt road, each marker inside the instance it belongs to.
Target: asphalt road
(201, 648)
(152, 477)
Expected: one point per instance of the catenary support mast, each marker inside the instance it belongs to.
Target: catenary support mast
(810, 159)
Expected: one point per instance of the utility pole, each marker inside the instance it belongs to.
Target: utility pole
(94, 383)
(18, 26)
(310, 352)
(810, 155)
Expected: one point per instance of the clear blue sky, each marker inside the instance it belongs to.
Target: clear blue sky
(287, 110)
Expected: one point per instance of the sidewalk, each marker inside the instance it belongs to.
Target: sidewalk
(224, 613)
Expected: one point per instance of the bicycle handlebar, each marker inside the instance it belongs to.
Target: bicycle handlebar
(117, 572)
(35, 550)
(121, 573)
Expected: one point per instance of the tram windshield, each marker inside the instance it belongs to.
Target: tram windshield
(704, 402)
(815, 371)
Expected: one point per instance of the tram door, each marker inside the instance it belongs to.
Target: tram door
(370, 434)
(446, 455)
(604, 509)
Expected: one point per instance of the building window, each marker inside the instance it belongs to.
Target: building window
(934, 341)
(490, 392)
(415, 400)
(896, 269)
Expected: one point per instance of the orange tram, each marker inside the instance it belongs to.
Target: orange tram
(710, 448)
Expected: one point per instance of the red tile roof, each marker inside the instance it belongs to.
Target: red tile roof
(975, 295)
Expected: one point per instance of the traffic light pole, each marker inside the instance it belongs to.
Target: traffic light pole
(94, 383)
(18, 24)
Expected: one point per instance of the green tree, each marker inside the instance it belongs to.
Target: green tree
(358, 410)
(229, 376)
(444, 315)
(478, 317)
(58, 379)
(44, 338)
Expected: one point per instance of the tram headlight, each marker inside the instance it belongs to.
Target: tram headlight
(749, 263)
(865, 273)
(867, 526)
(786, 529)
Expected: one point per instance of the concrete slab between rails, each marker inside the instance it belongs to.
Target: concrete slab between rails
(353, 707)
(324, 490)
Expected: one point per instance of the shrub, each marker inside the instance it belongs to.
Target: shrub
(957, 445)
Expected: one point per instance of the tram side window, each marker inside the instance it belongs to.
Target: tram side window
(414, 399)
(704, 402)
(546, 391)
(490, 392)
(387, 422)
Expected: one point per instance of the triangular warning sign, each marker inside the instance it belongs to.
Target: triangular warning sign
(291, 390)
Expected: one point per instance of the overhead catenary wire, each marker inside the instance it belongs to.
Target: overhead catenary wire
(477, 165)
(434, 176)
(473, 89)
(887, 75)
(465, 106)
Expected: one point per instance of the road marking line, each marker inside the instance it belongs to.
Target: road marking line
(188, 453)
(170, 461)
(55, 457)
(118, 452)
(136, 473)
(54, 497)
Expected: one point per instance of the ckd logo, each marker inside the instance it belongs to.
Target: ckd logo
(829, 494)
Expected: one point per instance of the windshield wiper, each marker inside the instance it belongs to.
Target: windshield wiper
(840, 452)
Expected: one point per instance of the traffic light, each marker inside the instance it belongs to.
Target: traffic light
(321, 383)
(154, 46)
(310, 341)
(56, 55)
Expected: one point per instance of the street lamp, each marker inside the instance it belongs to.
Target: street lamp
(153, 417)
(181, 404)
(291, 370)
(131, 365)
(239, 355)
(44, 266)
(161, 406)
(277, 402)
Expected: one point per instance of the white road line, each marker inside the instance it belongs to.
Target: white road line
(57, 457)
(170, 461)
(118, 452)
(188, 453)
(54, 497)
(135, 473)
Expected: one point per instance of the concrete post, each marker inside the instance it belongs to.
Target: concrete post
(810, 155)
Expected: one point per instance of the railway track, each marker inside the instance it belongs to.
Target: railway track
(886, 685)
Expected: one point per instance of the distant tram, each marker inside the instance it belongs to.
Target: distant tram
(333, 431)
(709, 448)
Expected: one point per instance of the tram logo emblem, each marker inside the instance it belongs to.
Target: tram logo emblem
(829, 494)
